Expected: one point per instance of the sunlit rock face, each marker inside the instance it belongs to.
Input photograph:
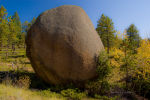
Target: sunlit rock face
(62, 46)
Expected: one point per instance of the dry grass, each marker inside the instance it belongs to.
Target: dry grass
(14, 93)
(8, 92)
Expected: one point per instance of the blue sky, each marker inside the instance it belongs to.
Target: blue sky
(122, 12)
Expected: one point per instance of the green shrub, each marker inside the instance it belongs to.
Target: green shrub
(48, 93)
(73, 94)
(97, 87)
(59, 88)
(141, 86)
(23, 82)
(103, 66)
(101, 85)
(107, 98)
(137, 75)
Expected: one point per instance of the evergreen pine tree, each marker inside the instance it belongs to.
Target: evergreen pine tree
(3, 26)
(133, 37)
(105, 29)
(3, 13)
(16, 31)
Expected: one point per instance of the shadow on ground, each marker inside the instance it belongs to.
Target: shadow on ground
(17, 56)
(38, 84)
(35, 82)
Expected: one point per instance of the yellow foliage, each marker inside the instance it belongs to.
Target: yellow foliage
(144, 49)
(116, 56)
(143, 60)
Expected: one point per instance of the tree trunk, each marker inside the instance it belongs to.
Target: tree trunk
(108, 47)
(1, 46)
(126, 65)
(7, 47)
(13, 48)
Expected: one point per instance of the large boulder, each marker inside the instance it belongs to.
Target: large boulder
(62, 45)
